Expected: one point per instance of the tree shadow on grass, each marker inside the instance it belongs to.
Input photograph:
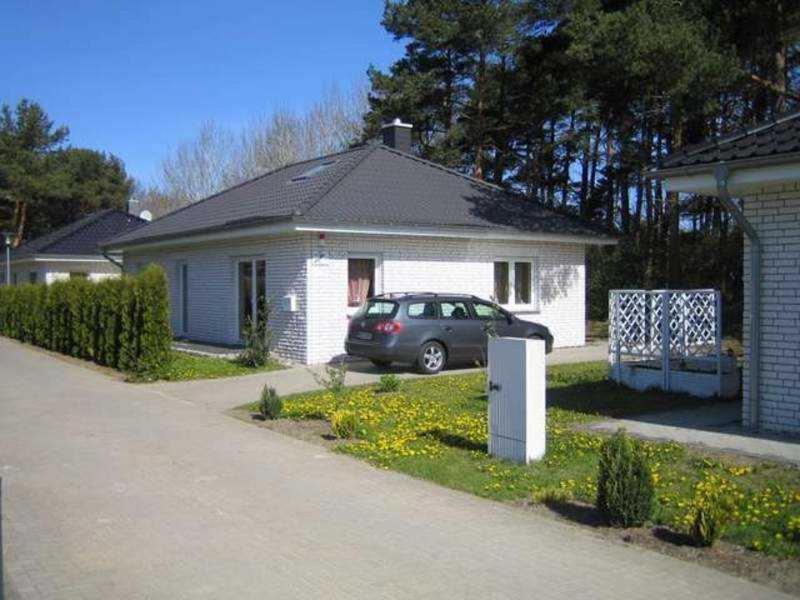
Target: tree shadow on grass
(607, 399)
(455, 441)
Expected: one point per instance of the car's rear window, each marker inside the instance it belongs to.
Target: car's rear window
(378, 308)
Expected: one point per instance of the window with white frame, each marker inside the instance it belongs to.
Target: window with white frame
(516, 283)
(252, 284)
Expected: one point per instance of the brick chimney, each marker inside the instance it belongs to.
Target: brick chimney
(397, 135)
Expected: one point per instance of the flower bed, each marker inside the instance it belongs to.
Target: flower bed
(436, 428)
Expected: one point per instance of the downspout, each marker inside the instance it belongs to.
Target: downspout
(111, 260)
(721, 174)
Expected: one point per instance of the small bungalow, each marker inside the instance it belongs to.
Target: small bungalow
(320, 236)
(71, 251)
(755, 173)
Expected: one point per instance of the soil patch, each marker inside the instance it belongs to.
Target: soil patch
(780, 573)
(316, 431)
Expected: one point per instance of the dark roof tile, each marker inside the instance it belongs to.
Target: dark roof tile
(82, 237)
(781, 136)
(370, 184)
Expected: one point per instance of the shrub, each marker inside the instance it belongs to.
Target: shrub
(257, 338)
(121, 323)
(624, 483)
(388, 383)
(271, 404)
(709, 524)
(344, 424)
(551, 496)
(333, 377)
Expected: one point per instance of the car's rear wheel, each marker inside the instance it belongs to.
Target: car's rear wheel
(432, 358)
(383, 364)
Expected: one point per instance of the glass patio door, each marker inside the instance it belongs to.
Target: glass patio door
(252, 274)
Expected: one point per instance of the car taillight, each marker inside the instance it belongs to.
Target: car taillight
(389, 327)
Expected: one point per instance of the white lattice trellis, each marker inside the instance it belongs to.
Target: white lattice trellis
(664, 328)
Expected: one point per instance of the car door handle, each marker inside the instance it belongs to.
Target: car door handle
(447, 328)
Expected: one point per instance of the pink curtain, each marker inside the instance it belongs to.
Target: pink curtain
(360, 272)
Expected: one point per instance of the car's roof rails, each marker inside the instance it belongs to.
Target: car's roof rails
(433, 294)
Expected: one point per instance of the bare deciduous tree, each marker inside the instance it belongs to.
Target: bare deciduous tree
(218, 157)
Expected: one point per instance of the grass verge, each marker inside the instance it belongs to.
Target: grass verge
(436, 428)
(185, 366)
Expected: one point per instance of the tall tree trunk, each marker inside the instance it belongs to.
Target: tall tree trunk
(502, 145)
(673, 200)
(567, 161)
(586, 143)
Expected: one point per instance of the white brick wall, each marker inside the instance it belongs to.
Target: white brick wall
(442, 265)
(776, 217)
(422, 264)
(213, 293)
(50, 271)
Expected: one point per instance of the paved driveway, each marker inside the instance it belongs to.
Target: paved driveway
(117, 491)
(222, 394)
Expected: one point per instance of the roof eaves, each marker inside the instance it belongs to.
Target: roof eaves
(699, 168)
(227, 226)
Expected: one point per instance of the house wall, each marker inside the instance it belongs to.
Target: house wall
(315, 273)
(213, 291)
(776, 218)
(441, 265)
(48, 271)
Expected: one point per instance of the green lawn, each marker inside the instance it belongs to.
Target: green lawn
(186, 366)
(435, 428)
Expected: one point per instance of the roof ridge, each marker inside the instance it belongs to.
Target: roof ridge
(306, 206)
(449, 170)
(254, 179)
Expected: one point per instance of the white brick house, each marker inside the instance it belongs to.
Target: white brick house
(70, 251)
(760, 167)
(306, 235)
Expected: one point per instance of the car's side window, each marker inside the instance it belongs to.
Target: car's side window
(487, 312)
(454, 310)
(422, 310)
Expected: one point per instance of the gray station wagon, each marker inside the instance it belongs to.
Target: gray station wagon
(432, 330)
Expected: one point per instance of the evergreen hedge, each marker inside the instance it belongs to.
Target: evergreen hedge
(121, 323)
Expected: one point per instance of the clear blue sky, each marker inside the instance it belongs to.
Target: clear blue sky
(135, 77)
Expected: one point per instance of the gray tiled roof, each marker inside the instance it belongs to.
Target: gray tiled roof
(81, 237)
(369, 184)
(775, 138)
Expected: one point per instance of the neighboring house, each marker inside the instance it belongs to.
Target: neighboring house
(318, 237)
(760, 167)
(71, 251)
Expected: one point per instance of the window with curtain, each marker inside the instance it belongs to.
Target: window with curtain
(360, 280)
(515, 283)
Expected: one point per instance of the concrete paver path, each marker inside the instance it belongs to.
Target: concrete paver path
(120, 491)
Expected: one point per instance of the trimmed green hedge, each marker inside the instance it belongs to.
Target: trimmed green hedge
(121, 323)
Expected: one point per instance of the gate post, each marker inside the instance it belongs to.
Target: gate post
(517, 399)
(666, 342)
